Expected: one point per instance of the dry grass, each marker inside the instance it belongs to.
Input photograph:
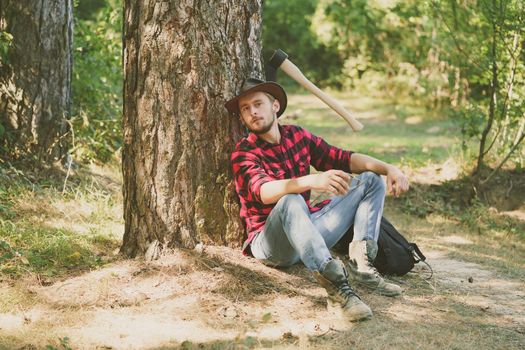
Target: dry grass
(218, 299)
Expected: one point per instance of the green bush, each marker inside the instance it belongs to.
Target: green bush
(6, 40)
(97, 83)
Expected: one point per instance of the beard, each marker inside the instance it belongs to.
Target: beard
(265, 128)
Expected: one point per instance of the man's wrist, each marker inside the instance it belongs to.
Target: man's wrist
(389, 168)
(306, 183)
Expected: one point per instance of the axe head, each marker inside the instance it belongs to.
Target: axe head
(277, 58)
(275, 62)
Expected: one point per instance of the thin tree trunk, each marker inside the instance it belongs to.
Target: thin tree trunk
(514, 147)
(35, 81)
(493, 100)
(182, 61)
(514, 56)
(504, 126)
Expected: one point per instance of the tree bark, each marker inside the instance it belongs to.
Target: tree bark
(35, 80)
(182, 61)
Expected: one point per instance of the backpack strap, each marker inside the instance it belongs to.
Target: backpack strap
(418, 255)
(430, 268)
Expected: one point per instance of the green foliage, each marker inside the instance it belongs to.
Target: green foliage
(97, 81)
(484, 42)
(472, 117)
(378, 37)
(458, 201)
(30, 242)
(51, 252)
(64, 345)
(89, 9)
(6, 41)
(456, 56)
(287, 26)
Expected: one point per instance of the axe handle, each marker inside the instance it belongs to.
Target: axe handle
(291, 69)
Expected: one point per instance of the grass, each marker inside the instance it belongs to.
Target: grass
(458, 200)
(51, 230)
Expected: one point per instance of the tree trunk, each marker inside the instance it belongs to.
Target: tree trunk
(35, 78)
(493, 97)
(182, 61)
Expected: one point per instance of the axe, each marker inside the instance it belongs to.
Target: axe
(280, 59)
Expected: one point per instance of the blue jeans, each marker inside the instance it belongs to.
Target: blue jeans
(292, 233)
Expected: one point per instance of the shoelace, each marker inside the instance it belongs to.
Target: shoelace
(346, 291)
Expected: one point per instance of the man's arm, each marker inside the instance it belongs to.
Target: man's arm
(396, 181)
(334, 181)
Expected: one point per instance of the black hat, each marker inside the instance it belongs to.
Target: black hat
(253, 85)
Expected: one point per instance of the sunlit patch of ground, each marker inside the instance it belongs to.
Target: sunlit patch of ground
(221, 296)
(517, 214)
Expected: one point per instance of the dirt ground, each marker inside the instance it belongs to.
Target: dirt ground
(216, 298)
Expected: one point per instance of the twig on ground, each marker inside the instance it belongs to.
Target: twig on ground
(430, 284)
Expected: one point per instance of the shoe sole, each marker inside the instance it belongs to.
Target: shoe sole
(380, 292)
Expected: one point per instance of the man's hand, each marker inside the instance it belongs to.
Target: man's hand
(396, 181)
(334, 181)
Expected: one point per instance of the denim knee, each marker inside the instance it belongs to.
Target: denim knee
(292, 202)
(374, 180)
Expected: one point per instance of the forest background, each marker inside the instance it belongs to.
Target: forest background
(462, 58)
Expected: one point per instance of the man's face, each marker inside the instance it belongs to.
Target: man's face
(258, 112)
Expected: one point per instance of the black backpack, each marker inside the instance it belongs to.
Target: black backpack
(395, 255)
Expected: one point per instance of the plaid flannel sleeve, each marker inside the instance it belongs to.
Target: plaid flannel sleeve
(249, 175)
(325, 157)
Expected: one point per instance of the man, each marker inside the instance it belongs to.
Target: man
(271, 169)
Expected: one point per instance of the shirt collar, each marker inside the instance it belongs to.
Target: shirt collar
(253, 138)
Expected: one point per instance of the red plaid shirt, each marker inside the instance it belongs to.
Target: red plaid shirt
(256, 162)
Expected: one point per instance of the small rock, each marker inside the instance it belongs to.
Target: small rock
(46, 283)
(470, 280)
(131, 300)
(199, 248)
(228, 312)
(288, 336)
